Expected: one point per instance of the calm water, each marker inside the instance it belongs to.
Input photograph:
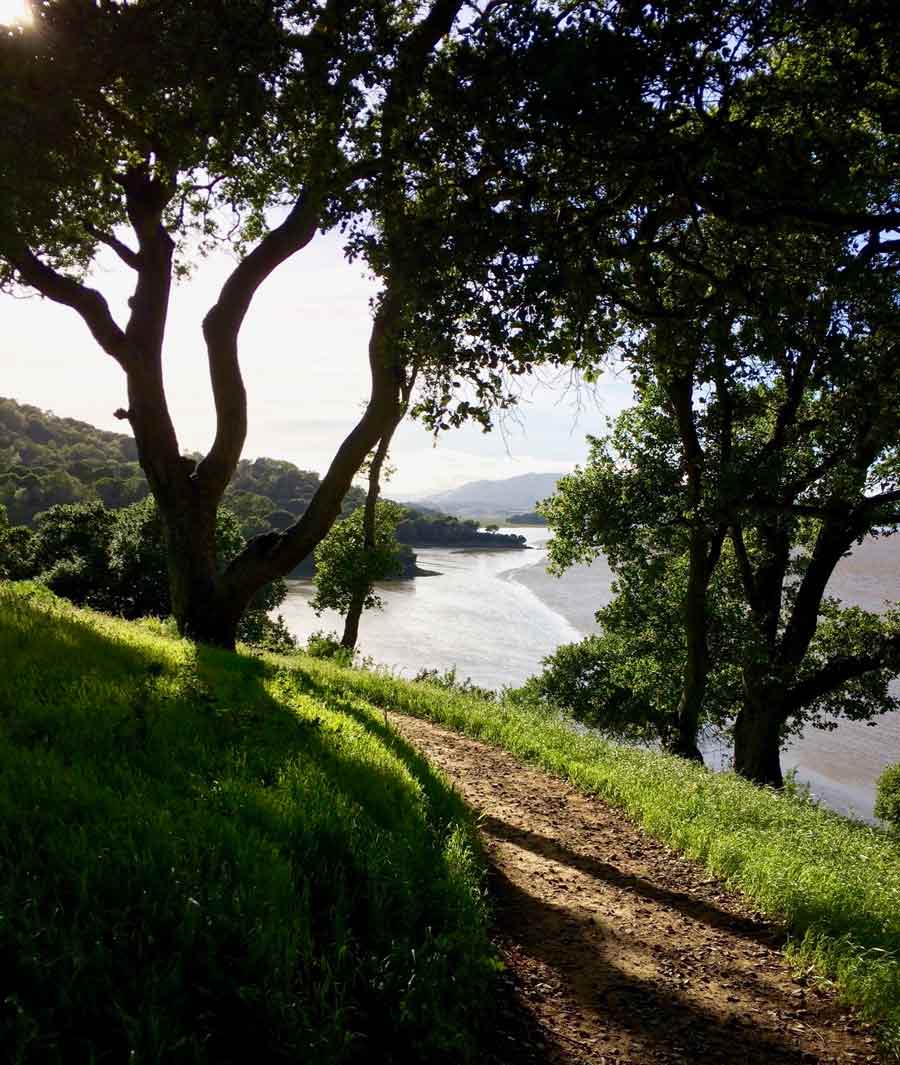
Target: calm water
(494, 615)
(473, 616)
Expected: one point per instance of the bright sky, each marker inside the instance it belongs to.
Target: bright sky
(303, 353)
(13, 11)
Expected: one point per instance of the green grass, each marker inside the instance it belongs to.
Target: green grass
(208, 857)
(211, 858)
(834, 882)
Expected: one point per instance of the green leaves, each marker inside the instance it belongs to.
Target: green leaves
(345, 568)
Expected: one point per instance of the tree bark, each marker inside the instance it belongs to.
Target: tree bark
(351, 622)
(696, 667)
(201, 609)
(757, 735)
(273, 554)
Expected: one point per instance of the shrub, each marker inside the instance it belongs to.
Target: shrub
(887, 803)
(328, 645)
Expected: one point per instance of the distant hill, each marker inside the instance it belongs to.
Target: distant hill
(46, 460)
(513, 495)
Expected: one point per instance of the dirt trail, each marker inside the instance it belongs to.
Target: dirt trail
(619, 951)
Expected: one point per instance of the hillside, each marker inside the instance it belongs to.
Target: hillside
(214, 858)
(46, 460)
(513, 495)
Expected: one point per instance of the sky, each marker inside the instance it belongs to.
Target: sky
(304, 358)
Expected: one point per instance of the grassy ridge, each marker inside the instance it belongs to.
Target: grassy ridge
(834, 882)
(205, 858)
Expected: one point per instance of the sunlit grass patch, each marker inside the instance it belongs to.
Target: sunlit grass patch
(203, 861)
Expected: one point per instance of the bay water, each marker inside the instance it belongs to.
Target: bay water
(493, 615)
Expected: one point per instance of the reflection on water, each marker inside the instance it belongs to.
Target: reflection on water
(494, 615)
(471, 616)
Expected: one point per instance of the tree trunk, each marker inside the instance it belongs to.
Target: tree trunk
(684, 740)
(351, 622)
(202, 611)
(757, 735)
(704, 556)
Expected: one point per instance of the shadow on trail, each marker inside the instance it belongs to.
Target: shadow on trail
(696, 909)
(663, 1026)
(512, 1036)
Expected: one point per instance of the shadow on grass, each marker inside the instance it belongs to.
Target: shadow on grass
(443, 798)
(180, 739)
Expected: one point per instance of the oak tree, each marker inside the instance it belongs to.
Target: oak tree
(152, 130)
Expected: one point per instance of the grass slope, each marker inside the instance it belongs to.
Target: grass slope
(834, 882)
(210, 858)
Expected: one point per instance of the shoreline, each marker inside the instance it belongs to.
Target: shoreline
(840, 767)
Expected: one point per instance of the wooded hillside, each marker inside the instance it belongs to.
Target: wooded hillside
(46, 460)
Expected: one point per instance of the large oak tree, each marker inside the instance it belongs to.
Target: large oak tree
(153, 129)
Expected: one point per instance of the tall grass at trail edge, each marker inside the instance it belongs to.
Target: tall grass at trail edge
(834, 882)
(204, 860)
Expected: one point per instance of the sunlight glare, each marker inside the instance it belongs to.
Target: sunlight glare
(15, 13)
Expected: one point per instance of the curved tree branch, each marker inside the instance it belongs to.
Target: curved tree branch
(88, 302)
(841, 669)
(220, 330)
(273, 554)
(129, 257)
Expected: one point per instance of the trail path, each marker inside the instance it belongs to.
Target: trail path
(618, 951)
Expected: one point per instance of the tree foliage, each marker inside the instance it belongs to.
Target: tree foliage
(346, 568)
(627, 679)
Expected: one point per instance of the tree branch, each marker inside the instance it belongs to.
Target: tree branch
(274, 554)
(821, 217)
(88, 302)
(222, 325)
(412, 58)
(748, 579)
(129, 257)
(882, 499)
(841, 669)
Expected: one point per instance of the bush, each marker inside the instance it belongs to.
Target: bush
(887, 803)
(328, 645)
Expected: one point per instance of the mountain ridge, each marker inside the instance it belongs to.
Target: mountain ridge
(494, 498)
